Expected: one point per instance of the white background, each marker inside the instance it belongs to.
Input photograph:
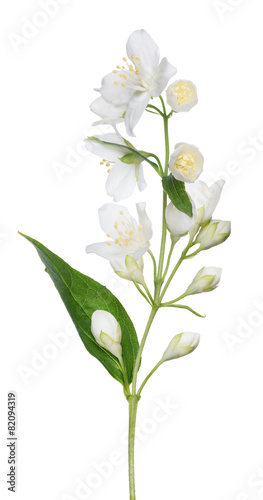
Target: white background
(71, 414)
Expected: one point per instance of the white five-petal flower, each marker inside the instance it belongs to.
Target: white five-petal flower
(126, 235)
(134, 83)
(123, 177)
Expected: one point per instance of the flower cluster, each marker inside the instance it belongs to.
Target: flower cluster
(125, 94)
(188, 205)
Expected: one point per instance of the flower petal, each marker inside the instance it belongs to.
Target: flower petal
(178, 222)
(141, 183)
(143, 52)
(110, 113)
(107, 250)
(112, 90)
(140, 251)
(206, 196)
(144, 220)
(135, 109)
(111, 217)
(165, 71)
(103, 321)
(111, 153)
(121, 181)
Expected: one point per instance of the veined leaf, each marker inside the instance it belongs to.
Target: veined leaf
(82, 296)
(177, 194)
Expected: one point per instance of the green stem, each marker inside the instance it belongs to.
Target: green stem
(152, 155)
(142, 293)
(152, 112)
(183, 255)
(159, 280)
(148, 293)
(133, 399)
(139, 355)
(133, 404)
(127, 391)
(148, 376)
(154, 264)
(168, 260)
(181, 306)
(156, 109)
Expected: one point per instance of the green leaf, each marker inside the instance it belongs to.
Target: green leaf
(82, 296)
(177, 194)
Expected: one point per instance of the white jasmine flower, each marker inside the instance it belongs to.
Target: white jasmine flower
(181, 95)
(186, 162)
(126, 235)
(123, 177)
(136, 81)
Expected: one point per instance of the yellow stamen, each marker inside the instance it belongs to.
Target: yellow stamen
(185, 163)
(183, 93)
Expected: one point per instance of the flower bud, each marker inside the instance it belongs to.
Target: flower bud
(133, 270)
(181, 95)
(182, 344)
(107, 332)
(186, 162)
(205, 198)
(206, 280)
(178, 222)
(213, 234)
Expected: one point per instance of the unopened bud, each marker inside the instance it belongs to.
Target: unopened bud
(181, 345)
